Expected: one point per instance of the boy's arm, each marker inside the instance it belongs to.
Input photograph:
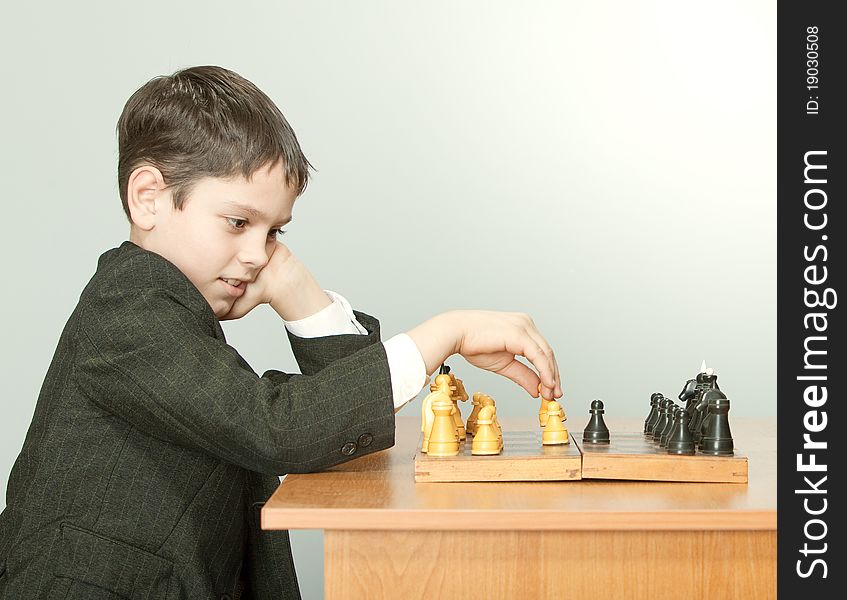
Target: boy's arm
(331, 333)
(338, 329)
(488, 340)
(148, 358)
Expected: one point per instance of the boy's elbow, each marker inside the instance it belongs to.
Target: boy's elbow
(310, 458)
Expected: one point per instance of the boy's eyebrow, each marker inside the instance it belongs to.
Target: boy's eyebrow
(253, 212)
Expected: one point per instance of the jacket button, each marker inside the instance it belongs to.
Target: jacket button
(348, 448)
(365, 440)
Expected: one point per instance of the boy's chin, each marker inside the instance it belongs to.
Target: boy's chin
(221, 307)
(224, 310)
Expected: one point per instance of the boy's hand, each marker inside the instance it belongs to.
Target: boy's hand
(491, 341)
(286, 285)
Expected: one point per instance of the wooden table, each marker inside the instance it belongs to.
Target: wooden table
(388, 537)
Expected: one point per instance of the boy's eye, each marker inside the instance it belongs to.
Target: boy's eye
(236, 223)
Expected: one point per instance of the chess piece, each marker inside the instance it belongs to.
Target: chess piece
(670, 410)
(443, 440)
(444, 383)
(596, 431)
(440, 388)
(542, 412)
(688, 390)
(703, 411)
(470, 427)
(654, 413)
(458, 423)
(688, 395)
(706, 381)
(486, 400)
(681, 441)
(459, 395)
(662, 421)
(554, 430)
(486, 440)
(717, 438)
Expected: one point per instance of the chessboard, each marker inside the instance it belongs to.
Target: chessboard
(629, 456)
(524, 458)
(633, 456)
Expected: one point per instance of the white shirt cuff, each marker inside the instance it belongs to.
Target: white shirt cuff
(407, 368)
(335, 319)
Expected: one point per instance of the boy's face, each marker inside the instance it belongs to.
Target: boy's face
(215, 236)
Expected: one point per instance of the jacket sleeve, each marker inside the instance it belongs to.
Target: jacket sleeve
(144, 356)
(313, 354)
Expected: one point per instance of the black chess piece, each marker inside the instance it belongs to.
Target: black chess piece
(670, 412)
(688, 395)
(654, 413)
(681, 441)
(693, 402)
(596, 431)
(662, 421)
(700, 409)
(717, 438)
(688, 390)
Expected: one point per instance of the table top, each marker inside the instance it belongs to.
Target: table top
(378, 492)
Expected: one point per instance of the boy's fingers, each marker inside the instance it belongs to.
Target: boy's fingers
(522, 375)
(536, 355)
(548, 352)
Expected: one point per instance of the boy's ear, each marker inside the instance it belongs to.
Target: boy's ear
(145, 196)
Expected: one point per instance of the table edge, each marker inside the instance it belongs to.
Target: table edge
(505, 520)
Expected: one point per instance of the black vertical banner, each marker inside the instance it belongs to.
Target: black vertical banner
(812, 168)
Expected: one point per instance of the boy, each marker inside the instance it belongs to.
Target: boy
(154, 444)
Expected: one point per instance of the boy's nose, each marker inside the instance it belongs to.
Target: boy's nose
(255, 254)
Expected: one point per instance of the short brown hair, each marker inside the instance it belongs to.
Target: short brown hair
(204, 121)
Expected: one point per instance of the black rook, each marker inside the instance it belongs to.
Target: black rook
(717, 438)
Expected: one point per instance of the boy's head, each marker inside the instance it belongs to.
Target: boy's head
(208, 171)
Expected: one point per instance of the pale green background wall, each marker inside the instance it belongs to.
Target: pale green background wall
(607, 167)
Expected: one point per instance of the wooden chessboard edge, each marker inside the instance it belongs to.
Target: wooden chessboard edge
(429, 477)
(604, 450)
(499, 467)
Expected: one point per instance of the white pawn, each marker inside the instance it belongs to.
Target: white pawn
(554, 431)
(486, 441)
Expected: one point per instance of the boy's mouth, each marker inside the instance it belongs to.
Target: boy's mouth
(234, 290)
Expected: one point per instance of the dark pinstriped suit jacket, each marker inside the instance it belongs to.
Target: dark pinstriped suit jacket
(153, 445)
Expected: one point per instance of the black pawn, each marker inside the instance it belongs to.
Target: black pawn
(596, 431)
(681, 441)
(717, 438)
(662, 421)
(651, 429)
(654, 413)
(670, 411)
